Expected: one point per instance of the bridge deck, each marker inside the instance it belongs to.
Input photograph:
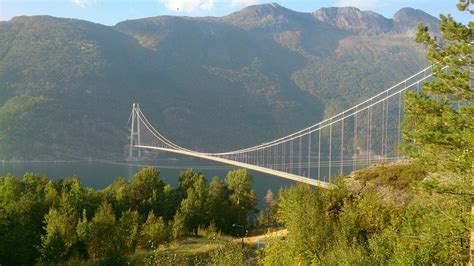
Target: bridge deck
(293, 177)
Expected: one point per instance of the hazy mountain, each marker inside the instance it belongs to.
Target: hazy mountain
(209, 83)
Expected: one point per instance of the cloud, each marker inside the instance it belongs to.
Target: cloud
(182, 5)
(242, 2)
(362, 4)
(82, 3)
(206, 5)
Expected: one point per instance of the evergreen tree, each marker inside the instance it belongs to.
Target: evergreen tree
(438, 125)
(193, 207)
(218, 204)
(439, 120)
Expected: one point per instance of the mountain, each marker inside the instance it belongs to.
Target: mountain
(208, 83)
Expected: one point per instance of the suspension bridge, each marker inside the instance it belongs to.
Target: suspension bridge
(363, 135)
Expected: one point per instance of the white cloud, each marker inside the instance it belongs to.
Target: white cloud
(362, 4)
(82, 3)
(242, 2)
(207, 5)
(182, 5)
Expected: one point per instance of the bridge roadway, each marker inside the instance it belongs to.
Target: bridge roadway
(298, 178)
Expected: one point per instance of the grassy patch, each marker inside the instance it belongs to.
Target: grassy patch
(187, 251)
(398, 175)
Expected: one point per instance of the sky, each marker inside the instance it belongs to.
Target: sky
(110, 12)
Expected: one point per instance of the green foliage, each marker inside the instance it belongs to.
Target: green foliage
(218, 205)
(179, 227)
(370, 221)
(129, 229)
(22, 210)
(61, 222)
(103, 240)
(277, 253)
(399, 176)
(242, 198)
(229, 254)
(193, 207)
(154, 232)
(147, 190)
(60, 236)
(268, 216)
(439, 121)
(311, 233)
(159, 258)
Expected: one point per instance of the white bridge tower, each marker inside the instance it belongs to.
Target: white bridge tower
(135, 131)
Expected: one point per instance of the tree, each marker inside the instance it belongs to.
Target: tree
(179, 227)
(147, 191)
(193, 207)
(268, 216)
(171, 203)
(438, 125)
(60, 236)
(218, 205)
(103, 240)
(154, 231)
(243, 199)
(121, 194)
(301, 210)
(129, 226)
(186, 180)
(21, 219)
(439, 121)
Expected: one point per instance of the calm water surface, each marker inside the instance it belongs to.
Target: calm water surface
(99, 175)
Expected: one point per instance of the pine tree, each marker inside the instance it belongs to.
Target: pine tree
(439, 121)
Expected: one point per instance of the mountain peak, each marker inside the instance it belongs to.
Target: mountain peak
(265, 15)
(352, 18)
(262, 10)
(407, 18)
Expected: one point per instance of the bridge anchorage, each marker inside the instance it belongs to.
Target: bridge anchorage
(365, 134)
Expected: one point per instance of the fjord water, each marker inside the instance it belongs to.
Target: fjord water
(101, 174)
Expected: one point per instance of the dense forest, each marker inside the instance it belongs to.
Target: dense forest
(379, 215)
(53, 221)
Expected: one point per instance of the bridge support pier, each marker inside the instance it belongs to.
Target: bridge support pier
(135, 131)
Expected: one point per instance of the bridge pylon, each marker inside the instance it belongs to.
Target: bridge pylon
(135, 131)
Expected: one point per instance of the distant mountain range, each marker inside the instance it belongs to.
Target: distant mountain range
(207, 83)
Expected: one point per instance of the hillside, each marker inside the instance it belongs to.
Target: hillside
(213, 83)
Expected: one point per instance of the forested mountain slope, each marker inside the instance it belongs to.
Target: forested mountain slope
(208, 83)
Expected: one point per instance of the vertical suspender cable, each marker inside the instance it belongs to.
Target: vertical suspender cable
(319, 155)
(299, 151)
(309, 155)
(342, 145)
(383, 129)
(399, 122)
(354, 143)
(370, 134)
(330, 151)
